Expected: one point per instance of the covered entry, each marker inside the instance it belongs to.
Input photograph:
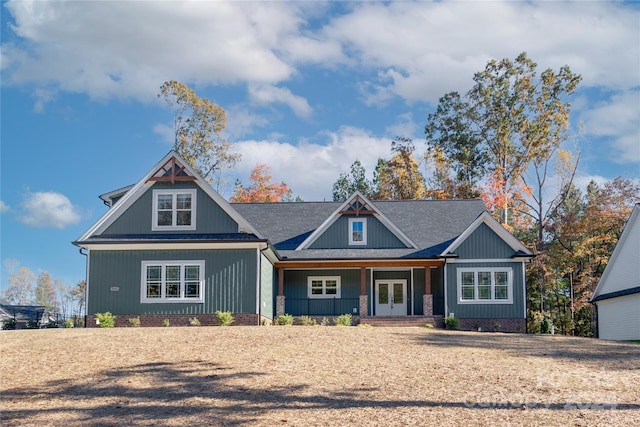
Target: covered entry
(391, 297)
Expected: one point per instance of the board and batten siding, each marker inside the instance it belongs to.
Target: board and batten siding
(619, 318)
(337, 235)
(484, 243)
(485, 310)
(210, 218)
(115, 281)
(266, 287)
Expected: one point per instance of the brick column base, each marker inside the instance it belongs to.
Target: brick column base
(427, 304)
(364, 305)
(280, 305)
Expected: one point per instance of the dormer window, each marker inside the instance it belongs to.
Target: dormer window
(357, 231)
(174, 210)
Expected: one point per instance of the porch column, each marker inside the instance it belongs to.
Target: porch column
(364, 299)
(280, 298)
(427, 298)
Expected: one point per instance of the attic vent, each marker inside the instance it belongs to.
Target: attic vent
(172, 171)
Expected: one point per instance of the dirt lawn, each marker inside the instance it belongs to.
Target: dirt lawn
(305, 376)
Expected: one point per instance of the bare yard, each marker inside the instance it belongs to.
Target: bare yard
(304, 376)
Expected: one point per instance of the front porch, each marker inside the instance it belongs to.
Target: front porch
(404, 289)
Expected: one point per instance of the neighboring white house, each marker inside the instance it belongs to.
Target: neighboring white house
(617, 296)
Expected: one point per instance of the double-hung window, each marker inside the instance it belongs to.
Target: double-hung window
(485, 285)
(174, 210)
(357, 231)
(323, 287)
(172, 281)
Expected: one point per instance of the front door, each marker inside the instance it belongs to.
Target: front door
(391, 297)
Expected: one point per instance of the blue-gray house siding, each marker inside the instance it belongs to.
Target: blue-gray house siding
(115, 281)
(337, 235)
(137, 219)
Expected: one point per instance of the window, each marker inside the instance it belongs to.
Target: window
(172, 281)
(174, 210)
(357, 231)
(485, 285)
(324, 287)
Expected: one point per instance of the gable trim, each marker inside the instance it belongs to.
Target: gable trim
(486, 218)
(626, 232)
(136, 191)
(621, 293)
(342, 210)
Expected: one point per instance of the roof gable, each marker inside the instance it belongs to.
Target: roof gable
(171, 168)
(356, 205)
(623, 269)
(486, 218)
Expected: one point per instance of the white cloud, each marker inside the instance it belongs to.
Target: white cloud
(48, 209)
(618, 120)
(165, 132)
(269, 94)
(427, 49)
(310, 169)
(4, 207)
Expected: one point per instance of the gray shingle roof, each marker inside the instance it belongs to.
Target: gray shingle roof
(431, 224)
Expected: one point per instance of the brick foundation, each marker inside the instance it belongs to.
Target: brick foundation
(494, 325)
(151, 320)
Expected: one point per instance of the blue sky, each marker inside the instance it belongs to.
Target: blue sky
(308, 87)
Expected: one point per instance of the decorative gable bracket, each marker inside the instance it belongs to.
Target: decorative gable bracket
(172, 171)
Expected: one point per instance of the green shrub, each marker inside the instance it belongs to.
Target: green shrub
(284, 320)
(452, 322)
(325, 322)
(194, 322)
(9, 325)
(106, 320)
(68, 323)
(545, 326)
(225, 318)
(166, 323)
(428, 326)
(342, 320)
(308, 321)
(135, 322)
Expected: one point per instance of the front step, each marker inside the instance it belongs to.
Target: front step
(402, 321)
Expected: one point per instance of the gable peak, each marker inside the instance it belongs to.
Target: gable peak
(174, 169)
(358, 205)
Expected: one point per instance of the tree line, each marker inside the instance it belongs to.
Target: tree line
(59, 300)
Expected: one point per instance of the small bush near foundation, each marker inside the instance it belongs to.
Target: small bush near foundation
(428, 326)
(308, 321)
(135, 322)
(68, 323)
(225, 318)
(166, 323)
(284, 320)
(497, 326)
(9, 325)
(343, 320)
(452, 322)
(106, 320)
(194, 322)
(325, 322)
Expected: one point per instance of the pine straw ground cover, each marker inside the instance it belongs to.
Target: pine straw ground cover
(305, 376)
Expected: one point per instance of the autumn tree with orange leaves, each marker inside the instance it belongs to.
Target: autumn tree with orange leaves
(261, 189)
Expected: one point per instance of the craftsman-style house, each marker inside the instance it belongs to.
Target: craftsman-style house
(170, 247)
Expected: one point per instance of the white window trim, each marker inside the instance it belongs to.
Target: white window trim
(324, 279)
(492, 270)
(163, 299)
(364, 231)
(173, 193)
